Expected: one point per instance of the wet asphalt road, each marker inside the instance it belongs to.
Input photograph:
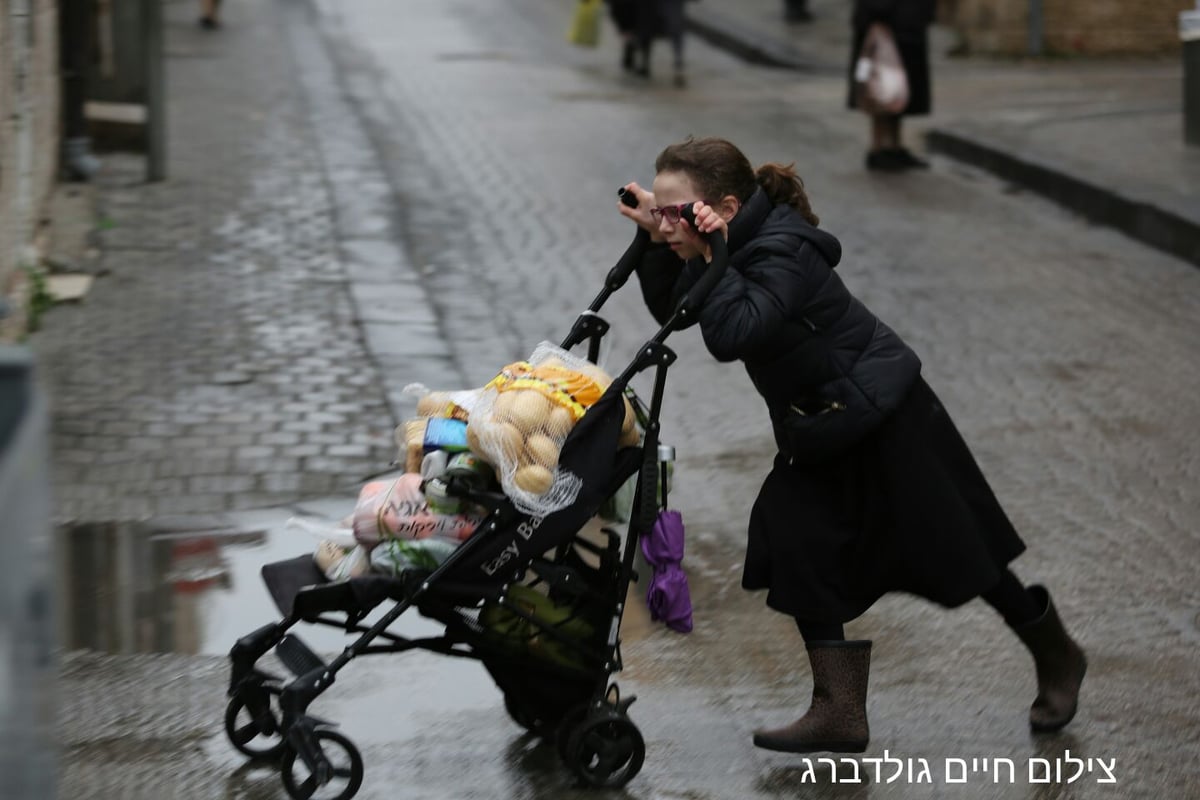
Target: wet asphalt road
(1066, 352)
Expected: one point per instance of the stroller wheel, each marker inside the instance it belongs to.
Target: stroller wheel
(525, 717)
(606, 751)
(252, 723)
(345, 776)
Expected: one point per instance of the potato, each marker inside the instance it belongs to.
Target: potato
(534, 478)
(542, 450)
(507, 440)
(559, 422)
(529, 410)
(502, 407)
(630, 438)
(473, 438)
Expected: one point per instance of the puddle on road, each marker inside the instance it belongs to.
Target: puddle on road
(127, 588)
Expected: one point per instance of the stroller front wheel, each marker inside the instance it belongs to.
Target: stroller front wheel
(606, 751)
(252, 723)
(345, 774)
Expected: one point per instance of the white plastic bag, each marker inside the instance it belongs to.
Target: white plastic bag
(880, 82)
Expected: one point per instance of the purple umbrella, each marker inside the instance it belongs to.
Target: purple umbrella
(667, 595)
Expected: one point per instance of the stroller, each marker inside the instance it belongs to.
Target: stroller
(517, 581)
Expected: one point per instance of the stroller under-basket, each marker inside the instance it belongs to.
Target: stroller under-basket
(517, 580)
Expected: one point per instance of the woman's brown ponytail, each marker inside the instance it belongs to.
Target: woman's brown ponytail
(784, 187)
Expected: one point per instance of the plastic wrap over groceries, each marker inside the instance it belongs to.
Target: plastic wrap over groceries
(394, 528)
(398, 509)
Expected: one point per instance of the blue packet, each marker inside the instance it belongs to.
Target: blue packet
(446, 434)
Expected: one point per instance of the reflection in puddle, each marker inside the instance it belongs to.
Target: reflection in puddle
(128, 589)
(131, 588)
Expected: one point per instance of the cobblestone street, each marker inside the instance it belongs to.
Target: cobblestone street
(362, 197)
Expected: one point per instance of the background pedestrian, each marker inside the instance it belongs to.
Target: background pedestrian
(796, 11)
(210, 14)
(660, 19)
(624, 15)
(909, 22)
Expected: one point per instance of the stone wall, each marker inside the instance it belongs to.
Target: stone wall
(29, 136)
(1082, 27)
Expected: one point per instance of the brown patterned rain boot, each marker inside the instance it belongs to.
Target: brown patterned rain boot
(836, 721)
(1059, 662)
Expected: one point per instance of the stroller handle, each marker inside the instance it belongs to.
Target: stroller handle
(619, 274)
(699, 291)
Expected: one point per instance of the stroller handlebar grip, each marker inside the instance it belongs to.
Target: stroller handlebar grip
(699, 291)
(629, 261)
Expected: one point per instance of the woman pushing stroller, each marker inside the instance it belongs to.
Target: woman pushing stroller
(873, 489)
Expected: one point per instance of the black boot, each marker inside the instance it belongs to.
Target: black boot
(797, 11)
(836, 721)
(1060, 665)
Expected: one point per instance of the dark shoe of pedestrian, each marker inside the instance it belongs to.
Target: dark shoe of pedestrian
(680, 79)
(884, 160)
(797, 11)
(209, 23)
(1059, 662)
(836, 721)
(906, 159)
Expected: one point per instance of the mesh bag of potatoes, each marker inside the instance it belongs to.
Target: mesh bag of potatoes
(520, 419)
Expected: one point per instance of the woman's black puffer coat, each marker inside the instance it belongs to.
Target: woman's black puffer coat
(813, 351)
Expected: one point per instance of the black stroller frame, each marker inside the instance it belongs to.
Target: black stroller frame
(572, 699)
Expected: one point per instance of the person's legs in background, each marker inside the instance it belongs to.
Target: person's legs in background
(796, 11)
(887, 152)
(209, 14)
(675, 29)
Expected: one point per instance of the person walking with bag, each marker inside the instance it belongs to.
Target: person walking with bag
(624, 14)
(660, 18)
(908, 23)
(873, 489)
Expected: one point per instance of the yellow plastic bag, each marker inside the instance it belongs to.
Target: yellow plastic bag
(585, 26)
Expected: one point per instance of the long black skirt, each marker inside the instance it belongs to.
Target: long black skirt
(906, 509)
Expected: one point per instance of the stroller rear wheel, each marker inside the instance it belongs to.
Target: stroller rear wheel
(606, 751)
(252, 723)
(345, 774)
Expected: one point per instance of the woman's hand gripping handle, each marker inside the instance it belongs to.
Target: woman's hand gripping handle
(713, 232)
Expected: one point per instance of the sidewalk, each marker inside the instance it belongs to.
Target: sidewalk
(236, 351)
(1103, 137)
